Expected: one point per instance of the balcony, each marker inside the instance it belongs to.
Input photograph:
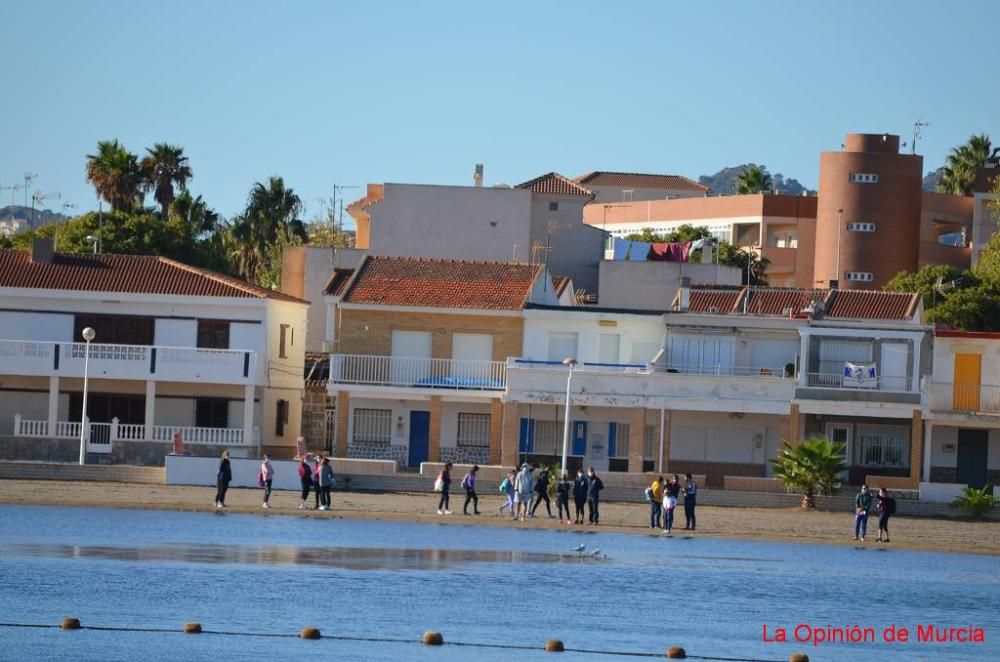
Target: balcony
(141, 362)
(419, 373)
(837, 387)
(965, 399)
(700, 387)
(782, 259)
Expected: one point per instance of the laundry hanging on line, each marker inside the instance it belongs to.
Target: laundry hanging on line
(671, 251)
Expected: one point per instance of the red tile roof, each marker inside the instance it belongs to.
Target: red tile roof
(872, 304)
(338, 281)
(776, 301)
(770, 302)
(640, 180)
(721, 300)
(404, 281)
(124, 274)
(554, 184)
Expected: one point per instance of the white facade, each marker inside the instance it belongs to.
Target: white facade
(652, 285)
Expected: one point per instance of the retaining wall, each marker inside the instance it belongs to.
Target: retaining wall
(87, 472)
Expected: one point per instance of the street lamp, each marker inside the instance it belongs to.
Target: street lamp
(88, 335)
(92, 239)
(571, 362)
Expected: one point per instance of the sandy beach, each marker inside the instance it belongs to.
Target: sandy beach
(788, 525)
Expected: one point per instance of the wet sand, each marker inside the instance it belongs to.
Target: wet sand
(786, 525)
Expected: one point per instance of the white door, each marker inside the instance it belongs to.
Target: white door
(471, 353)
(597, 445)
(892, 371)
(840, 433)
(608, 348)
(411, 354)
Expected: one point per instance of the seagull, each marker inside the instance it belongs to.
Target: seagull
(596, 552)
(580, 548)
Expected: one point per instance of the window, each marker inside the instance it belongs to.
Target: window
(622, 431)
(553, 206)
(833, 353)
(562, 346)
(372, 426)
(213, 334)
(115, 329)
(211, 413)
(280, 417)
(861, 227)
(864, 178)
(859, 276)
(627, 195)
(474, 430)
(650, 441)
(548, 437)
(884, 446)
(284, 341)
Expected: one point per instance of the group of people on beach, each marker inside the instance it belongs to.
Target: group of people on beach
(662, 497)
(318, 478)
(882, 504)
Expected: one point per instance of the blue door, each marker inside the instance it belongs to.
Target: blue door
(420, 434)
(580, 438)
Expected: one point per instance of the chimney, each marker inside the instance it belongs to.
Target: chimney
(834, 284)
(42, 251)
(477, 178)
(684, 293)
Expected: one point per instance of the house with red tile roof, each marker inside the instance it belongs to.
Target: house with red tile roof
(174, 348)
(610, 187)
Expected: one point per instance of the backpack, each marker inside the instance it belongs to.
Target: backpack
(504, 486)
(648, 492)
(466, 481)
(890, 506)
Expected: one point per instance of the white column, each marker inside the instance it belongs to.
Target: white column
(53, 404)
(150, 408)
(248, 393)
(928, 445)
(803, 357)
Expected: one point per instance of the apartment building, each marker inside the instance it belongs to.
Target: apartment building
(421, 346)
(176, 349)
(611, 187)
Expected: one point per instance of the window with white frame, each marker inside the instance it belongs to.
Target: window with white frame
(621, 440)
(861, 227)
(548, 437)
(473, 430)
(883, 446)
(860, 276)
(864, 178)
(372, 426)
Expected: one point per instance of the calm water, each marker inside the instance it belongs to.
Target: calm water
(477, 584)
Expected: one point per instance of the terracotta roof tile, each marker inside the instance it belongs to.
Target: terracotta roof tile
(403, 281)
(124, 274)
(776, 301)
(640, 180)
(338, 281)
(716, 299)
(872, 304)
(554, 184)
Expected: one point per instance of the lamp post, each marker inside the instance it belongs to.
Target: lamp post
(571, 362)
(88, 335)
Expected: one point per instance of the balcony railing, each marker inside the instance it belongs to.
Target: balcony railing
(972, 398)
(44, 359)
(100, 436)
(704, 369)
(418, 372)
(839, 381)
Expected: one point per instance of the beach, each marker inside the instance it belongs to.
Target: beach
(759, 524)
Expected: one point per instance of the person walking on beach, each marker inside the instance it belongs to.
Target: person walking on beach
(507, 491)
(655, 494)
(522, 490)
(542, 492)
(690, 500)
(222, 479)
(444, 481)
(670, 494)
(317, 466)
(580, 486)
(862, 505)
(266, 479)
(469, 483)
(326, 483)
(886, 507)
(563, 488)
(305, 481)
(594, 487)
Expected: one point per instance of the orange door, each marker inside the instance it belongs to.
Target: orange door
(968, 368)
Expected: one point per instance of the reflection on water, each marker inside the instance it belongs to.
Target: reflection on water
(340, 557)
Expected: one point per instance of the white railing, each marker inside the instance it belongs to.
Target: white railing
(721, 370)
(101, 436)
(418, 372)
(839, 381)
(196, 436)
(971, 398)
(717, 370)
(22, 357)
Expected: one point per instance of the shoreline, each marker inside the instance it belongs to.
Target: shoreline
(790, 525)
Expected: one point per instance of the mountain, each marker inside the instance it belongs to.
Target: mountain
(41, 217)
(724, 182)
(932, 178)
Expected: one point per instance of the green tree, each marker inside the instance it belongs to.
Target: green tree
(925, 282)
(959, 173)
(163, 167)
(115, 175)
(324, 229)
(686, 232)
(754, 179)
(256, 238)
(976, 502)
(752, 266)
(814, 466)
(194, 214)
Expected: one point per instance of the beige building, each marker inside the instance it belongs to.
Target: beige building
(611, 187)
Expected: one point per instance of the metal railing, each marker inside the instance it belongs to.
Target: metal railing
(101, 436)
(965, 397)
(705, 369)
(839, 381)
(418, 372)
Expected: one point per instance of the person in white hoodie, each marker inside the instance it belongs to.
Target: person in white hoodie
(266, 479)
(524, 484)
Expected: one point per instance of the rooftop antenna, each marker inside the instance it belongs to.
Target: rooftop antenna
(338, 225)
(28, 178)
(40, 199)
(917, 126)
(13, 192)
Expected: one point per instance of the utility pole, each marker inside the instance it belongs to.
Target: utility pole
(338, 197)
(28, 178)
(919, 124)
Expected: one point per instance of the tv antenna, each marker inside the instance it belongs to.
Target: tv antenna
(917, 126)
(39, 198)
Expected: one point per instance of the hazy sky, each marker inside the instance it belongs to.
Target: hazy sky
(349, 93)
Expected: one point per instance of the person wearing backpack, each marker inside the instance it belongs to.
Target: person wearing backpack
(266, 480)
(654, 493)
(542, 492)
(523, 485)
(469, 483)
(579, 495)
(444, 482)
(594, 487)
(562, 496)
(305, 481)
(507, 491)
(886, 507)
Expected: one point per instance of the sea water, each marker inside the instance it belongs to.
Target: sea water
(479, 584)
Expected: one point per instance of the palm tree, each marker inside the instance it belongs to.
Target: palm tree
(116, 176)
(163, 167)
(815, 465)
(959, 173)
(269, 222)
(196, 216)
(753, 179)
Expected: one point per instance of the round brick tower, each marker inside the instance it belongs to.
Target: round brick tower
(868, 212)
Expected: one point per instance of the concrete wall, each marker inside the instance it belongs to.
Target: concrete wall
(39, 450)
(944, 436)
(575, 248)
(36, 326)
(653, 285)
(51, 471)
(182, 470)
(640, 336)
(613, 194)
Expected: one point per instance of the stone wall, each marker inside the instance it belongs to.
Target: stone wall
(465, 454)
(315, 402)
(53, 471)
(41, 450)
(151, 453)
(715, 472)
(378, 451)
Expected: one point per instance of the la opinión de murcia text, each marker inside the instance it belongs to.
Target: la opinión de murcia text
(857, 634)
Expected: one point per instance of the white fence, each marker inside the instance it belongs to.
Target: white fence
(100, 436)
(838, 381)
(418, 372)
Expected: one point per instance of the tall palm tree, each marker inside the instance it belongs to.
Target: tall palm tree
(197, 217)
(163, 167)
(815, 465)
(116, 176)
(753, 179)
(959, 173)
(269, 222)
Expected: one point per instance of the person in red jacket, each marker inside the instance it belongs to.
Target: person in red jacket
(305, 480)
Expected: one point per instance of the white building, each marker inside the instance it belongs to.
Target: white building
(176, 348)
(611, 187)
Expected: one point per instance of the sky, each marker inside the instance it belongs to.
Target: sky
(337, 93)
